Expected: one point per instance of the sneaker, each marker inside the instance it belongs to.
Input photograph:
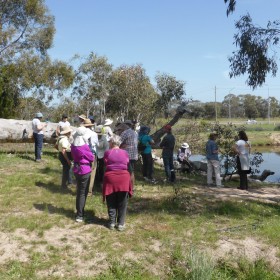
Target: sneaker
(146, 179)
(79, 219)
(111, 226)
(121, 227)
(153, 180)
(220, 186)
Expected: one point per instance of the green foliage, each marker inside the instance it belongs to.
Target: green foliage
(132, 96)
(25, 26)
(92, 84)
(169, 89)
(9, 93)
(253, 58)
(277, 128)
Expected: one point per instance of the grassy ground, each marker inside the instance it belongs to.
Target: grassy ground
(181, 231)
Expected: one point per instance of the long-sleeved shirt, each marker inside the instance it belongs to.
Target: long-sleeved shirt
(82, 157)
(167, 144)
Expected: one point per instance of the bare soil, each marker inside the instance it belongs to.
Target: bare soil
(73, 239)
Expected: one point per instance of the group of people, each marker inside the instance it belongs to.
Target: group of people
(96, 153)
(241, 148)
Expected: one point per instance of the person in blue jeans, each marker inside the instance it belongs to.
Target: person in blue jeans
(146, 140)
(167, 144)
(38, 135)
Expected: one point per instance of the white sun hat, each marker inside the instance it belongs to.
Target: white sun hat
(185, 145)
(108, 122)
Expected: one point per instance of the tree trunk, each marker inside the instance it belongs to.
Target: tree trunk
(21, 131)
(181, 110)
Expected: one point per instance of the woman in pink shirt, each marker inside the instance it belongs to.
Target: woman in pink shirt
(117, 185)
(83, 158)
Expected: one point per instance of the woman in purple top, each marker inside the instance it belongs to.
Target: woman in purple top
(82, 157)
(117, 186)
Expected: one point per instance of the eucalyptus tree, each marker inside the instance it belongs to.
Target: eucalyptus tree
(25, 25)
(132, 95)
(250, 106)
(26, 33)
(169, 89)
(92, 83)
(256, 49)
(231, 106)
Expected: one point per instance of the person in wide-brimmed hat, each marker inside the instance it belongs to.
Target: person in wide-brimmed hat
(64, 148)
(83, 158)
(82, 117)
(183, 155)
(38, 135)
(106, 129)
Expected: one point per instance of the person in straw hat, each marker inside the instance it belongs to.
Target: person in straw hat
(82, 117)
(106, 129)
(92, 138)
(83, 158)
(64, 148)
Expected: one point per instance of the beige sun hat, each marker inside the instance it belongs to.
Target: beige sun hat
(83, 117)
(65, 130)
(87, 123)
(108, 122)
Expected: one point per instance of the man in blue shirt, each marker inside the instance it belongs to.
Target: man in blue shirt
(213, 163)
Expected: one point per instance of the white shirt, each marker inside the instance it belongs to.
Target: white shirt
(63, 124)
(92, 139)
(35, 123)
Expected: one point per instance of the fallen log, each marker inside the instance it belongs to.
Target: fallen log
(21, 131)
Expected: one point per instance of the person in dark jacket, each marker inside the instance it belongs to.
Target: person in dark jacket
(167, 144)
(146, 140)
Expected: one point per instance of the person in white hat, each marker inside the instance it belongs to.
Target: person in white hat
(38, 135)
(64, 148)
(83, 158)
(106, 129)
(183, 155)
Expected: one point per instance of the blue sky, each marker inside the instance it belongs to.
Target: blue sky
(190, 40)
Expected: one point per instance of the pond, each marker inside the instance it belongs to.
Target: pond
(271, 162)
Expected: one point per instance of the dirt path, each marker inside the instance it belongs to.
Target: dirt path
(264, 194)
